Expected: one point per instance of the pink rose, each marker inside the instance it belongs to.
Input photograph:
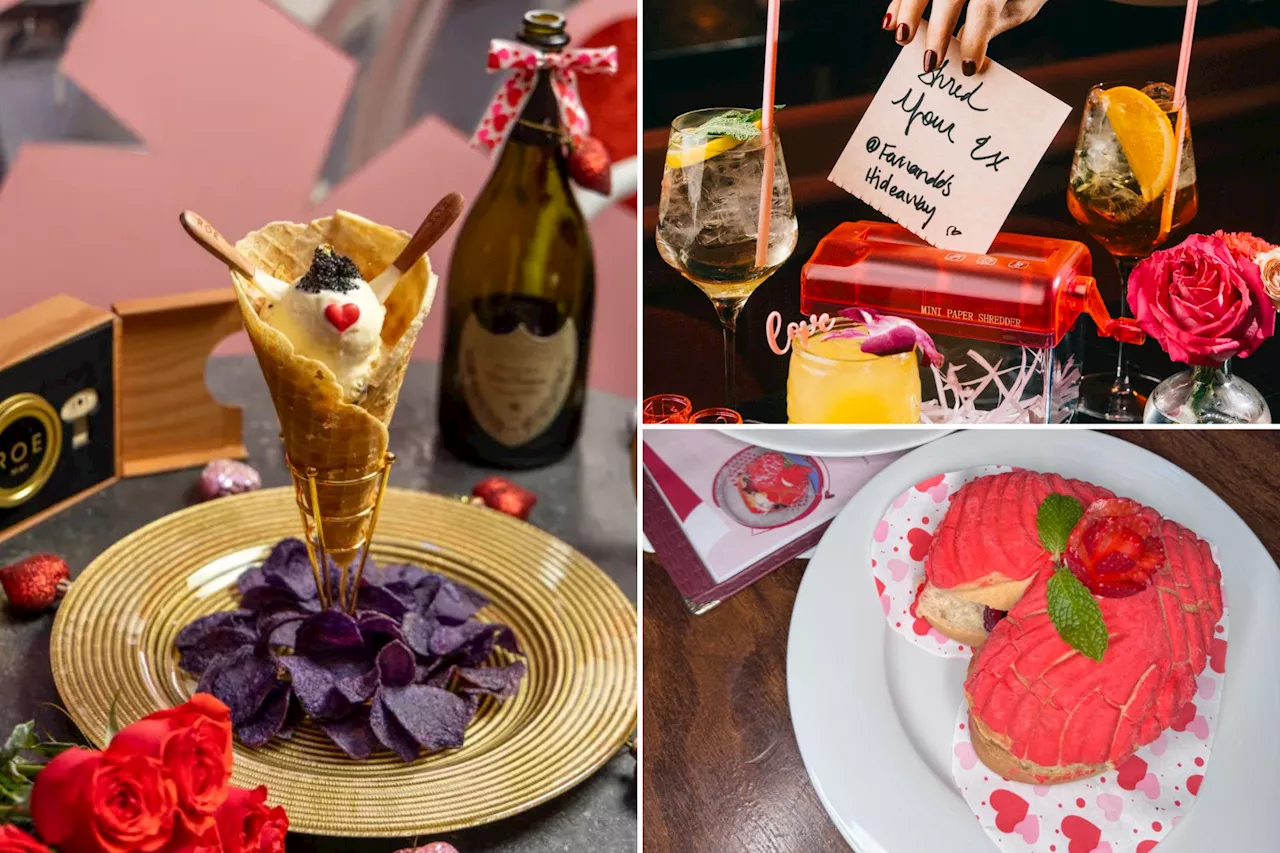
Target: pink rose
(1202, 301)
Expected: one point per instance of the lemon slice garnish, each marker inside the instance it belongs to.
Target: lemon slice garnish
(1145, 134)
(698, 152)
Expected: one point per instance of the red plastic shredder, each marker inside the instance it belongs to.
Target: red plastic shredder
(999, 319)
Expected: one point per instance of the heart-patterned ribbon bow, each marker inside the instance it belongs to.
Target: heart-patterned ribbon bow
(524, 62)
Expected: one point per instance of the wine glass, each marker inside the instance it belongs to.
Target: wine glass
(1122, 176)
(709, 211)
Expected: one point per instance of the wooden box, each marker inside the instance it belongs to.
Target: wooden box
(59, 408)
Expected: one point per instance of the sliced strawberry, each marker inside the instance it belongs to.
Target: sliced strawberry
(1113, 550)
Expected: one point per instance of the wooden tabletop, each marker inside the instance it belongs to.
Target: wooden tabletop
(722, 773)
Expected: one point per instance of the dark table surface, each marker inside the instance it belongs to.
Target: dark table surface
(722, 771)
(586, 500)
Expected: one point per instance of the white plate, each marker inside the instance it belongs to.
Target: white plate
(834, 442)
(873, 715)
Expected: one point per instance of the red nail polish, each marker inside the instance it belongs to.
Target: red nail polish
(903, 32)
(969, 67)
(887, 23)
(930, 61)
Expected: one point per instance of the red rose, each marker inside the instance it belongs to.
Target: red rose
(14, 840)
(1202, 301)
(247, 825)
(193, 742)
(92, 802)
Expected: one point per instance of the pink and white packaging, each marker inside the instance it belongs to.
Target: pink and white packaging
(1127, 810)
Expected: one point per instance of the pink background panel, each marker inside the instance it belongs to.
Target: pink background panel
(235, 104)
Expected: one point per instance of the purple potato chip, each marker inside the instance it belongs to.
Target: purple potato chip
(501, 682)
(195, 658)
(437, 677)
(242, 680)
(448, 639)
(269, 720)
(390, 732)
(352, 734)
(280, 628)
(381, 600)
(434, 718)
(316, 687)
(269, 599)
(359, 687)
(287, 568)
(372, 622)
(425, 590)
(417, 630)
(328, 631)
(456, 603)
(193, 632)
(479, 647)
(402, 573)
(396, 665)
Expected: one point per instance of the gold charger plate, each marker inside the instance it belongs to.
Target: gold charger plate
(115, 630)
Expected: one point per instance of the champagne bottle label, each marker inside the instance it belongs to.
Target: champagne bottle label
(515, 384)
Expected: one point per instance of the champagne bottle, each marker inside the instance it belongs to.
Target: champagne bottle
(520, 293)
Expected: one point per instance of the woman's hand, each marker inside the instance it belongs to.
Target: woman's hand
(984, 20)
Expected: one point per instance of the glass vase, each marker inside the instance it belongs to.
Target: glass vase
(1206, 395)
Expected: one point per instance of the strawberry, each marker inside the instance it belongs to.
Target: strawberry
(36, 583)
(1115, 549)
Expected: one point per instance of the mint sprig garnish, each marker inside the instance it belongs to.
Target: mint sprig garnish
(736, 124)
(1075, 613)
(1057, 516)
(1072, 608)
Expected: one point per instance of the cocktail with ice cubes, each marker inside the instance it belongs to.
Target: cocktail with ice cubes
(1124, 191)
(710, 207)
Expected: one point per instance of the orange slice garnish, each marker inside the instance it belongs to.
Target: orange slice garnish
(1145, 134)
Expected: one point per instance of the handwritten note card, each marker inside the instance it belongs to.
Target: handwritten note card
(945, 155)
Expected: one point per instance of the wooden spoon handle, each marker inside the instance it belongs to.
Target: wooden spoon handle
(438, 221)
(214, 243)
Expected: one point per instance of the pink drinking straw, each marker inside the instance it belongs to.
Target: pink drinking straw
(766, 132)
(1179, 103)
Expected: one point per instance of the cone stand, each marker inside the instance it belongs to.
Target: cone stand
(307, 486)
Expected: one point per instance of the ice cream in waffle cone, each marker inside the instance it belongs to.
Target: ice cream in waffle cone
(336, 428)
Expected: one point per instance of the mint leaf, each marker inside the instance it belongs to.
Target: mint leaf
(758, 113)
(1075, 613)
(1055, 519)
(730, 125)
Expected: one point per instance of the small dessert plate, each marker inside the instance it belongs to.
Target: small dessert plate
(812, 440)
(875, 731)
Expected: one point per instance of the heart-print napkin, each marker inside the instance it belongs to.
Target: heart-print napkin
(898, 547)
(1127, 810)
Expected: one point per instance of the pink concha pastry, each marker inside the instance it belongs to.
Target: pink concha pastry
(1040, 711)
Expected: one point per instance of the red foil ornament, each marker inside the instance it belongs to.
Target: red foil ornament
(589, 165)
(505, 496)
(36, 583)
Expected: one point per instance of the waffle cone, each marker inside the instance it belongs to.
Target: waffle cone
(341, 440)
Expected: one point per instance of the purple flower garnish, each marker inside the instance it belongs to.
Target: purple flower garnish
(885, 335)
(406, 672)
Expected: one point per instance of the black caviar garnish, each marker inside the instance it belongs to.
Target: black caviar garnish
(330, 271)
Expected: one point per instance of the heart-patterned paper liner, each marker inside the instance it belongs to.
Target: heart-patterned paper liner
(1126, 810)
(898, 548)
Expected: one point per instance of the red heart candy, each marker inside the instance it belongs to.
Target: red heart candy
(342, 317)
(1083, 834)
(1010, 809)
(1129, 774)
